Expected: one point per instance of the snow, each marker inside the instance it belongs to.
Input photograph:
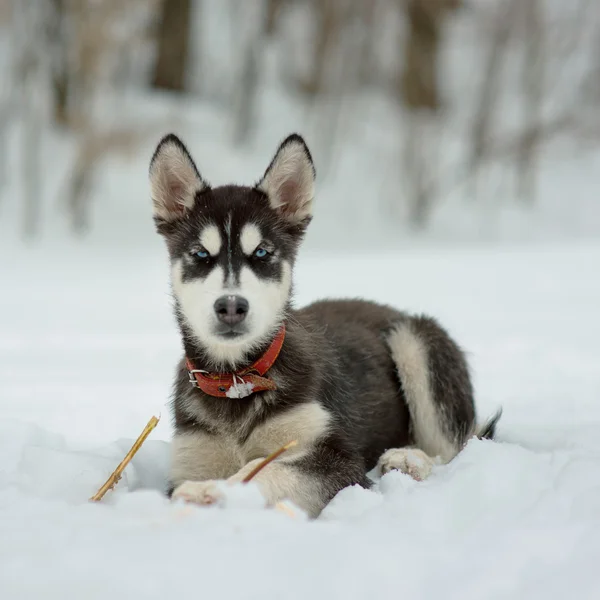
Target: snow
(87, 351)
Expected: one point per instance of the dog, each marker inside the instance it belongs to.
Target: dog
(356, 384)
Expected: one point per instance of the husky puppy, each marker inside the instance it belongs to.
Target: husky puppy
(356, 384)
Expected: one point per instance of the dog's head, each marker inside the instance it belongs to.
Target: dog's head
(232, 248)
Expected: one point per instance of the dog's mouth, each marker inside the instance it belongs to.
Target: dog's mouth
(230, 333)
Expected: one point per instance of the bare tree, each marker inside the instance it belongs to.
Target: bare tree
(63, 54)
(248, 22)
(58, 42)
(533, 87)
(31, 65)
(173, 41)
(421, 98)
(485, 106)
(274, 8)
(328, 24)
(419, 82)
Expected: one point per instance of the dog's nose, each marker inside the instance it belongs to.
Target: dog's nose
(231, 309)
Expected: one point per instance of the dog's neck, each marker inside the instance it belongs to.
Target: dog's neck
(202, 358)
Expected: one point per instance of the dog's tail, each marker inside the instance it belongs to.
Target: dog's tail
(487, 430)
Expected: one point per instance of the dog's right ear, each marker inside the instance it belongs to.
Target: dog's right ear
(174, 180)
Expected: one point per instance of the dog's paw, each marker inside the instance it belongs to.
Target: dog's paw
(412, 461)
(203, 493)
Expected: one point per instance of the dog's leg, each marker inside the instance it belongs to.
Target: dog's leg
(276, 481)
(199, 456)
(309, 482)
(435, 380)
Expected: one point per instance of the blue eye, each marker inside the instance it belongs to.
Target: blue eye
(260, 253)
(202, 254)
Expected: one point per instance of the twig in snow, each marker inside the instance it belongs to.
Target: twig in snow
(116, 476)
(267, 460)
(280, 506)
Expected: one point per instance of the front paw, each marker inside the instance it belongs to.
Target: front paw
(203, 493)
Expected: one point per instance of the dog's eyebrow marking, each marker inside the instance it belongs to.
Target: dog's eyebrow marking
(250, 238)
(210, 238)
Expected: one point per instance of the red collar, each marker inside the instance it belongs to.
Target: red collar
(242, 383)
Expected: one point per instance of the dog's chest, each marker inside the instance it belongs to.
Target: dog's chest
(305, 424)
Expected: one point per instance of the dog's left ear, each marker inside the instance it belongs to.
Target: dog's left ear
(289, 181)
(174, 180)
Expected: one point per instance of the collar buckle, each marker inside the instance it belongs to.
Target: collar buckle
(192, 376)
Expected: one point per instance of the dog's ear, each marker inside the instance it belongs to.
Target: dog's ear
(289, 181)
(174, 180)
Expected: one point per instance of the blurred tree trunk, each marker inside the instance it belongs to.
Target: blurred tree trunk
(533, 88)
(173, 41)
(273, 12)
(367, 71)
(485, 105)
(247, 92)
(249, 25)
(328, 26)
(419, 82)
(60, 75)
(420, 93)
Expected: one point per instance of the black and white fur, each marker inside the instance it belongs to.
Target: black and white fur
(359, 384)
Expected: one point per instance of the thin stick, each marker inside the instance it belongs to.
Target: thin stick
(269, 459)
(284, 508)
(114, 478)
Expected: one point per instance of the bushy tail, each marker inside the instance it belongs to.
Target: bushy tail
(487, 430)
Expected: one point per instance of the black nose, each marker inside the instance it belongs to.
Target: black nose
(231, 309)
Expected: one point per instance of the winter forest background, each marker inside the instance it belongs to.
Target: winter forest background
(474, 119)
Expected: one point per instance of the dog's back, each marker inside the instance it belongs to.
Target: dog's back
(360, 383)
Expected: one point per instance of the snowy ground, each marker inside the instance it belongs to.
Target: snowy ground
(87, 348)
